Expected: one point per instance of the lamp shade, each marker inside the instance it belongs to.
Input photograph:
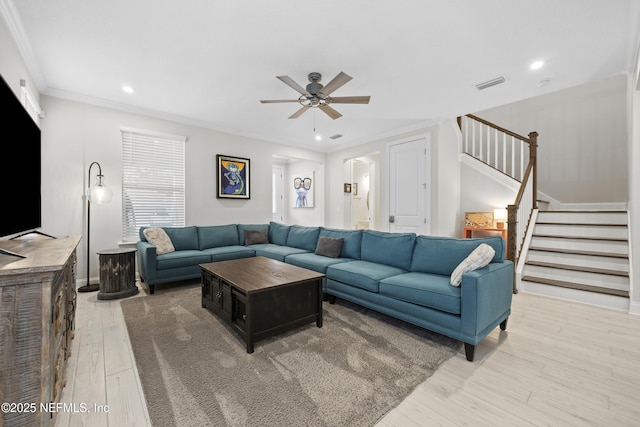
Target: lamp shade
(100, 193)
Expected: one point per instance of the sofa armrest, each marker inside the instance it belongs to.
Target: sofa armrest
(486, 296)
(147, 261)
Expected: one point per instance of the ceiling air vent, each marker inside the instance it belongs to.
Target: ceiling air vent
(336, 136)
(489, 83)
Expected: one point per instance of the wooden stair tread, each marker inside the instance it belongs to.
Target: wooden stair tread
(580, 224)
(577, 252)
(577, 286)
(556, 236)
(606, 211)
(579, 268)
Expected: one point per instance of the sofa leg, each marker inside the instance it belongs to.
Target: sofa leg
(325, 296)
(332, 299)
(503, 325)
(152, 288)
(470, 351)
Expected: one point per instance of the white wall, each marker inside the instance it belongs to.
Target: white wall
(305, 216)
(445, 179)
(76, 134)
(582, 143)
(634, 185)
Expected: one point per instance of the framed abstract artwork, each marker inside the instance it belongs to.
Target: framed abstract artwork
(233, 177)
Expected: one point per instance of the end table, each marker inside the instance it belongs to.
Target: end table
(117, 273)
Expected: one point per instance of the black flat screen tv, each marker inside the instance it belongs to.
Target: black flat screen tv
(20, 167)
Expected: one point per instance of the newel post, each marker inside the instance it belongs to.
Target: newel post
(533, 157)
(512, 238)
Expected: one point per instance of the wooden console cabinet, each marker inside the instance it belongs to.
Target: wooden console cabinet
(37, 309)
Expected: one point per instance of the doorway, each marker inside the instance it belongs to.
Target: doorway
(277, 192)
(361, 204)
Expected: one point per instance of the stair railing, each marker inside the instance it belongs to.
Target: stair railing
(514, 155)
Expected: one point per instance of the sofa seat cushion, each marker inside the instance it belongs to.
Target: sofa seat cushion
(182, 259)
(428, 290)
(362, 274)
(276, 252)
(314, 262)
(229, 252)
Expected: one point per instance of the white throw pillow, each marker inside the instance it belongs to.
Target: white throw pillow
(481, 256)
(160, 239)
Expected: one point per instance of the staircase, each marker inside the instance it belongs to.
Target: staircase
(585, 251)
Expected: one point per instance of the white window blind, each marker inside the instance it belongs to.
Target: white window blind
(152, 181)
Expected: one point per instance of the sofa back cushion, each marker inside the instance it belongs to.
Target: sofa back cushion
(215, 236)
(183, 238)
(278, 233)
(441, 255)
(243, 227)
(303, 237)
(395, 249)
(352, 241)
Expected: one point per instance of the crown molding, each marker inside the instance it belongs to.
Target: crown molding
(14, 25)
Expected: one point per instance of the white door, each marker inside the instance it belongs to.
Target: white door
(409, 186)
(277, 185)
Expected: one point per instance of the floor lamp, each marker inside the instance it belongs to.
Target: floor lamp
(98, 194)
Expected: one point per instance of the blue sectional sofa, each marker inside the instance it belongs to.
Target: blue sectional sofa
(399, 274)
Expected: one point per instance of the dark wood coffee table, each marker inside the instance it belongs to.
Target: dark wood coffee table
(261, 297)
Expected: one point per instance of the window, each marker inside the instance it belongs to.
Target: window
(152, 181)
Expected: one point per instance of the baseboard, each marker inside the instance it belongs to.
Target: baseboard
(634, 308)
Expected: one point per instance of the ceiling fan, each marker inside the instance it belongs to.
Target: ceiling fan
(315, 95)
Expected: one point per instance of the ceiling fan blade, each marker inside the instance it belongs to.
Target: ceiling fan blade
(299, 112)
(350, 100)
(330, 111)
(334, 84)
(272, 101)
(289, 82)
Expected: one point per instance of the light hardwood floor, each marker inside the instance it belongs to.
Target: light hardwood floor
(558, 364)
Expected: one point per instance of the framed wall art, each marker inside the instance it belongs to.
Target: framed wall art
(303, 192)
(233, 177)
(478, 219)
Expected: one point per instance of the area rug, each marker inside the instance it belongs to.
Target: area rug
(195, 370)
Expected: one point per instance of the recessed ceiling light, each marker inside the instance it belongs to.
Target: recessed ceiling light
(318, 138)
(128, 89)
(536, 65)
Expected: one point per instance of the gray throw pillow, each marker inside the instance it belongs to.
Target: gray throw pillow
(329, 246)
(253, 237)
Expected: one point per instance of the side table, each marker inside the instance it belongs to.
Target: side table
(117, 273)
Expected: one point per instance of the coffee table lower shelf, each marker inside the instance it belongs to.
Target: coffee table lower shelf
(257, 313)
